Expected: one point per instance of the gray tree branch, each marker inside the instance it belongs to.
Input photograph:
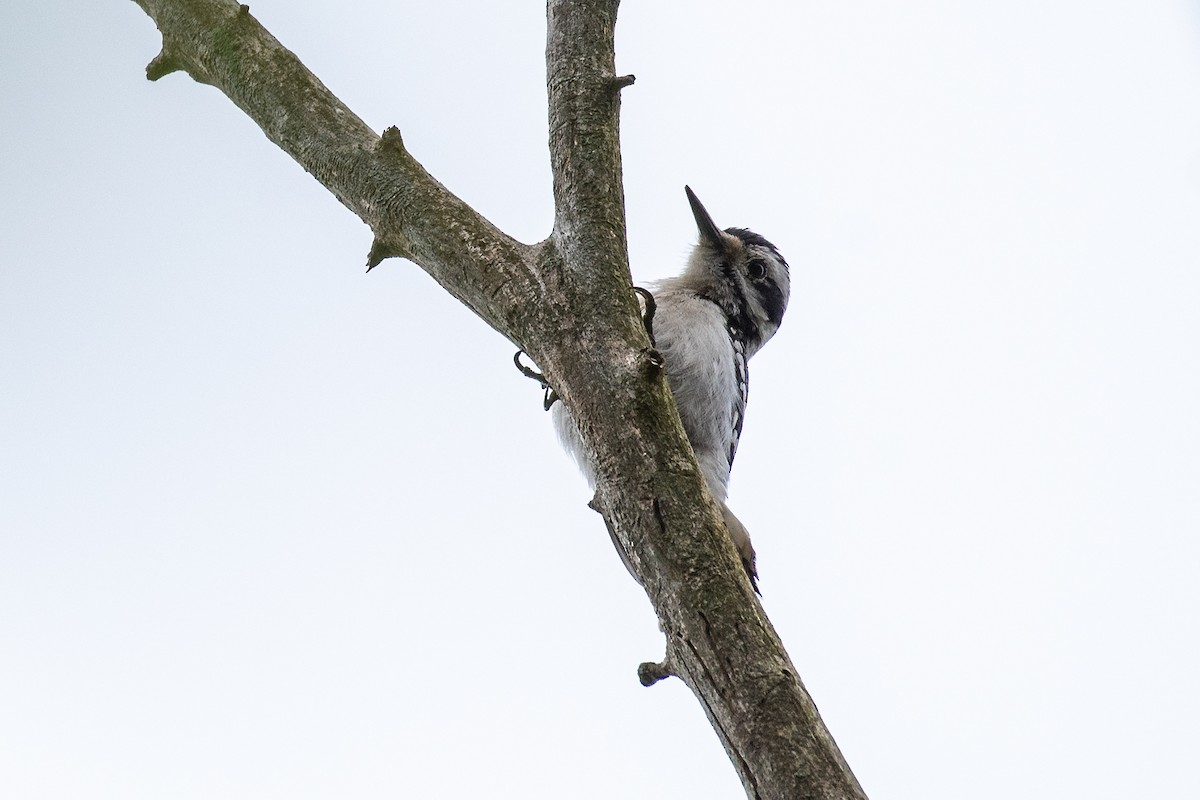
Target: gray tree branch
(218, 42)
(567, 302)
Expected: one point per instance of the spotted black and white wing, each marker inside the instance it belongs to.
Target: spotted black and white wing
(741, 372)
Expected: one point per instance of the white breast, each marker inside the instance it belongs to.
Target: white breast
(707, 376)
(707, 372)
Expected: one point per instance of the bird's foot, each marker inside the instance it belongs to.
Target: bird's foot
(549, 398)
(649, 307)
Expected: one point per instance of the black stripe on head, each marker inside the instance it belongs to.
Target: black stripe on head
(773, 302)
(749, 237)
(738, 318)
(769, 294)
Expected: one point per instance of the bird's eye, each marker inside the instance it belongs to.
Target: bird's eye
(757, 270)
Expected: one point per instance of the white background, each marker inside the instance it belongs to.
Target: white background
(271, 527)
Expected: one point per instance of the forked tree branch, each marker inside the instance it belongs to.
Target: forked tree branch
(566, 301)
(220, 43)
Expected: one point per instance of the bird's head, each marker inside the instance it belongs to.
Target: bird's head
(742, 273)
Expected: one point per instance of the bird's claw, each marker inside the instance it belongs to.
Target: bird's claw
(550, 397)
(648, 314)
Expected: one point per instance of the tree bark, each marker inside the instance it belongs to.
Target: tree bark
(567, 302)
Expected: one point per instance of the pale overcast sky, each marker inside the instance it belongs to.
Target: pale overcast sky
(271, 527)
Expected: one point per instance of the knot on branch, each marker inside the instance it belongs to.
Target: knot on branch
(391, 141)
(650, 673)
(169, 61)
(163, 64)
(381, 249)
(623, 81)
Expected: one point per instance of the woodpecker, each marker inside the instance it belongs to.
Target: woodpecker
(707, 324)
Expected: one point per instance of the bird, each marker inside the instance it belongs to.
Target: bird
(708, 322)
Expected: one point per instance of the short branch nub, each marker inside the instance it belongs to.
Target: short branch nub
(650, 673)
(392, 140)
(163, 64)
(379, 251)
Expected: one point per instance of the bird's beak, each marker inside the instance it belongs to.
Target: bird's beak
(709, 232)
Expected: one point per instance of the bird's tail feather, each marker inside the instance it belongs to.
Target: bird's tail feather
(741, 540)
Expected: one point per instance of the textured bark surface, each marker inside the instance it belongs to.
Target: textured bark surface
(567, 302)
